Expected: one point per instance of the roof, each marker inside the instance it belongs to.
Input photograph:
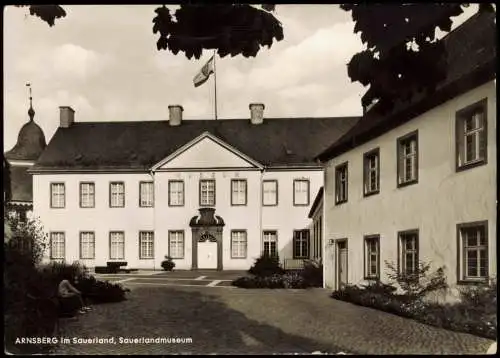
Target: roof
(471, 61)
(20, 185)
(140, 145)
(30, 143)
(317, 201)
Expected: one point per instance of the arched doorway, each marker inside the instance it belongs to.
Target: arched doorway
(207, 231)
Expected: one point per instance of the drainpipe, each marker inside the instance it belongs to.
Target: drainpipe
(151, 172)
(261, 207)
(323, 226)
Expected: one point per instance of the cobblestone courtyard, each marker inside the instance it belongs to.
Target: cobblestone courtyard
(226, 320)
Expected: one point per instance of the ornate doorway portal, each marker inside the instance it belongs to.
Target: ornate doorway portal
(207, 240)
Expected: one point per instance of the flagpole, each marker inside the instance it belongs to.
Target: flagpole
(215, 86)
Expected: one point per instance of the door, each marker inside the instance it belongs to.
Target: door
(342, 263)
(207, 255)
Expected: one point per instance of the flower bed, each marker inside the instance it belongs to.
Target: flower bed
(465, 316)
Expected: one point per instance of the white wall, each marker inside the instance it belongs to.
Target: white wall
(200, 161)
(102, 219)
(440, 200)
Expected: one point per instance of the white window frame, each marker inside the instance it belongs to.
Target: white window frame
(176, 244)
(270, 237)
(175, 193)
(146, 194)
(239, 244)
(206, 199)
(57, 245)
(146, 245)
(303, 239)
(117, 194)
(269, 192)
(408, 159)
(403, 237)
(87, 245)
(117, 245)
(341, 183)
(57, 195)
(371, 172)
(482, 246)
(87, 195)
(371, 256)
(239, 192)
(301, 187)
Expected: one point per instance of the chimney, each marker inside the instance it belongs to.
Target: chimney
(256, 113)
(67, 116)
(175, 115)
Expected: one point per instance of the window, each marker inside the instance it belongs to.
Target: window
(270, 243)
(87, 245)
(57, 195)
(372, 257)
(473, 251)
(238, 192)
(207, 192)
(117, 195)
(146, 194)
(57, 245)
(341, 187)
(146, 245)
(175, 193)
(87, 195)
(301, 192)
(371, 172)
(176, 244)
(238, 244)
(270, 192)
(408, 159)
(300, 244)
(471, 135)
(408, 241)
(117, 245)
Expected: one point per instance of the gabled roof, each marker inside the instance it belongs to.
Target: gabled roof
(471, 62)
(317, 201)
(140, 145)
(199, 139)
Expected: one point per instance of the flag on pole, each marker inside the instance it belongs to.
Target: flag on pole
(205, 72)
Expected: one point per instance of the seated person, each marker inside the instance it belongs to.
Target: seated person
(67, 291)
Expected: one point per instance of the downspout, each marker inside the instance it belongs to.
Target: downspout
(152, 173)
(323, 226)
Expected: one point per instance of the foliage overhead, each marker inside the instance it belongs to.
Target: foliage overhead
(238, 29)
(48, 13)
(391, 67)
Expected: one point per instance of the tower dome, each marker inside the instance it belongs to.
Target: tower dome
(30, 141)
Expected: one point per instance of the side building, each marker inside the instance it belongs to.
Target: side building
(419, 183)
(210, 194)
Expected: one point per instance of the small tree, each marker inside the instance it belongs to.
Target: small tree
(266, 265)
(417, 285)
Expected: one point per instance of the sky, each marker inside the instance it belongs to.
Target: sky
(103, 62)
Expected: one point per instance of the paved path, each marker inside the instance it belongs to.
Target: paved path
(255, 321)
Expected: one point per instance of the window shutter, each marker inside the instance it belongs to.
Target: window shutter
(482, 137)
(401, 163)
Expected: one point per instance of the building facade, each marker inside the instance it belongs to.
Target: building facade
(210, 194)
(420, 187)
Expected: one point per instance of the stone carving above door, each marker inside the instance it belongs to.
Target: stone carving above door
(207, 217)
(206, 236)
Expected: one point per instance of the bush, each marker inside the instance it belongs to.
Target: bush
(476, 314)
(274, 281)
(313, 273)
(168, 264)
(101, 291)
(416, 286)
(265, 266)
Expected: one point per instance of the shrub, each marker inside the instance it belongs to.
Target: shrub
(294, 279)
(273, 281)
(168, 264)
(101, 291)
(416, 286)
(313, 273)
(266, 265)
